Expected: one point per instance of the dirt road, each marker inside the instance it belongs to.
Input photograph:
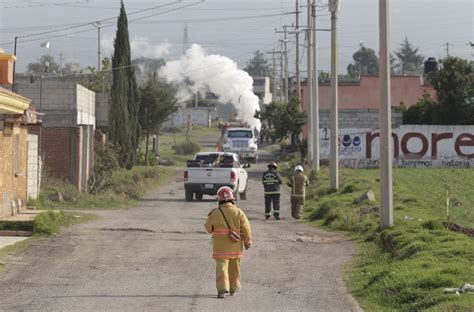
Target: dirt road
(156, 257)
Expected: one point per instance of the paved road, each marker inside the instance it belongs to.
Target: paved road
(156, 257)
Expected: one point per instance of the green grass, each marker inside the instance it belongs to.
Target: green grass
(167, 141)
(46, 223)
(407, 267)
(127, 187)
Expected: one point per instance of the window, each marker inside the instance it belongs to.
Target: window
(240, 134)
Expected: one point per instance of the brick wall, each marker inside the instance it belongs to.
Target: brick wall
(59, 151)
(12, 182)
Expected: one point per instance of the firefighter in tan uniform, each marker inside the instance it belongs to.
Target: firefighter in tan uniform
(227, 251)
(298, 183)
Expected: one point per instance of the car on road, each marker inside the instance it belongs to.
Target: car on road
(209, 171)
(241, 141)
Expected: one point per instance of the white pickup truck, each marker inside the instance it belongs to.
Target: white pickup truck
(241, 141)
(211, 170)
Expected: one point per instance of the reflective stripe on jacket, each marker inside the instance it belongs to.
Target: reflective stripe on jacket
(223, 246)
(271, 181)
(298, 183)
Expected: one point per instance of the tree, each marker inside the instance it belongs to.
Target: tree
(283, 120)
(124, 129)
(454, 105)
(45, 64)
(409, 60)
(258, 66)
(98, 81)
(366, 62)
(157, 103)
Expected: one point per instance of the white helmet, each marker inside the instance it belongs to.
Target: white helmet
(300, 168)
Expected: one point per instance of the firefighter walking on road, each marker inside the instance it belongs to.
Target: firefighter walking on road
(231, 231)
(298, 183)
(271, 180)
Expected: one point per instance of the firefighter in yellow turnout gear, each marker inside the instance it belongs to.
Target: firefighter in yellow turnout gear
(226, 251)
(298, 183)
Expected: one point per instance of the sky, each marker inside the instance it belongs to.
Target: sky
(235, 29)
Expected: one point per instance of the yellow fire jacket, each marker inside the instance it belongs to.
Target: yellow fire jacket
(223, 246)
(298, 183)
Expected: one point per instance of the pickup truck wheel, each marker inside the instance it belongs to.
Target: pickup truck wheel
(188, 195)
(199, 196)
(243, 195)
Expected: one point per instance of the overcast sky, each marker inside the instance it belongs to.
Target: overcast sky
(228, 27)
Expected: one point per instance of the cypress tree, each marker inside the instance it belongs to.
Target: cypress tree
(124, 130)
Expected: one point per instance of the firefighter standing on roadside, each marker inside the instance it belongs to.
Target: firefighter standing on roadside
(298, 183)
(271, 180)
(226, 251)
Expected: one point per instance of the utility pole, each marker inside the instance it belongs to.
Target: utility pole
(274, 53)
(297, 52)
(97, 24)
(315, 87)
(284, 48)
(309, 84)
(60, 64)
(447, 49)
(386, 192)
(334, 150)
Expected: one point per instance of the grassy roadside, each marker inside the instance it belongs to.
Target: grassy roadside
(45, 224)
(407, 267)
(127, 186)
(168, 139)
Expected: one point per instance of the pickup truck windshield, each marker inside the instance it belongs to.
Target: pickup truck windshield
(240, 134)
(211, 158)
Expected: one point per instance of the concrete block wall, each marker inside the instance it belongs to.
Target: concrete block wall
(102, 110)
(358, 118)
(85, 106)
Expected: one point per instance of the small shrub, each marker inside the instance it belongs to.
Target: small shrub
(105, 162)
(171, 129)
(186, 148)
(348, 189)
(433, 225)
(322, 211)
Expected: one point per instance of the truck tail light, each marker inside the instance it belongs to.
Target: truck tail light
(233, 177)
(185, 176)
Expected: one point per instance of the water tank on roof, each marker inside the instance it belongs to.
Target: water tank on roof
(431, 65)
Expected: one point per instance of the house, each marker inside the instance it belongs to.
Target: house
(67, 133)
(359, 100)
(15, 145)
(261, 88)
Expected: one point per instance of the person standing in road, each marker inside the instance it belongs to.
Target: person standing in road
(231, 231)
(298, 183)
(271, 180)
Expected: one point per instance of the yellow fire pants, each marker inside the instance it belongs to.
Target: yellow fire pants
(227, 275)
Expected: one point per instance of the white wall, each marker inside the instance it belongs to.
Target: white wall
(32, 168)
(85, 106)
(419, 146)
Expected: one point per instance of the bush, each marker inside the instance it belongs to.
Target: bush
(187, 148)
(172, 129)
(105, 162)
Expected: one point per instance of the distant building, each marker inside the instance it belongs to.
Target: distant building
(261, 88)
(67, 133)
(18, 149)
(359, 100)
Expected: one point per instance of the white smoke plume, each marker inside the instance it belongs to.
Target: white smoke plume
(218, 74)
